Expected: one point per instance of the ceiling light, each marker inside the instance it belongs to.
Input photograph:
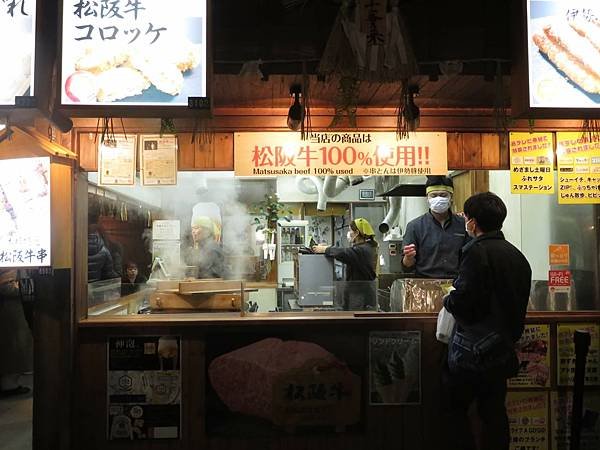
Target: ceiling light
(296, 112)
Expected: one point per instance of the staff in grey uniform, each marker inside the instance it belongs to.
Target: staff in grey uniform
(432, 242)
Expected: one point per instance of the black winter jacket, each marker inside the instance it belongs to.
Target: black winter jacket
(100, 263)
(491, 268)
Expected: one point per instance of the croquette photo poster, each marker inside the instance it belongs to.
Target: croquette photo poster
(146, 52)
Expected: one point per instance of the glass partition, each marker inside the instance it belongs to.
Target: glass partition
(217, 243)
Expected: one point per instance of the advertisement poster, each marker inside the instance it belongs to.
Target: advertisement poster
(166, 230)
(578, 157)
(144, 387)
(158, 166)
(137, 53)
(17, 26)
(534, 357)
(559, 281)
(531, 163)
(566, 354)
(116, 161)
(562, 405)
(528, 420)
(564, 53)
(25, 212)
(559, 254)
(395, 368)
(361, 153)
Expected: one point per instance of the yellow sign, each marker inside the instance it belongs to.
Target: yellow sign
(533, 350)
(528, 418)
(531, 163)
(559, 254)
(566, 354)
(578, 156)
(351, 153)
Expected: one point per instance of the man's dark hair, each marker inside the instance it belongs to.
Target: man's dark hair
(487, 209)
(438, 180)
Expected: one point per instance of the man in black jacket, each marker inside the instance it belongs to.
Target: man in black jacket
(492, 290)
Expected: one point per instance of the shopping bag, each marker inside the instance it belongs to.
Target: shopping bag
(445, 325)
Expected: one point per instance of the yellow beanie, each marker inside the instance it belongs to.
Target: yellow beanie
(364, 227)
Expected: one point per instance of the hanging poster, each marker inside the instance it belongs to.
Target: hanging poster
(562, 405)
(559, 254)
(361, 153)
(563, 53)
(25, 233)
(566, 354)
(137, 53)
(395, 368)
(116, 161)
(166, 230)
(144, 387)
(528, 420)
(17, 33)
(158, 164)
(578, 156)
(534, 357)
(531, 163)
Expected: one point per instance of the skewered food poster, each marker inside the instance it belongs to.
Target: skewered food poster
(528, 420)
(25, 212)
(531, 163)
(159, 160)
(145, 52)
(144, 387)
(116, 161)
(17, 27)
(395, 368)
(564, 53)
(578, 157)
(533, 350)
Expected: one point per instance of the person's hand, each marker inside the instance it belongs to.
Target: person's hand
(410, 254)
(319, 248)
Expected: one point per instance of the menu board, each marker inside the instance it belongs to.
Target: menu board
(578, 156)
(533, 350)
(17, 33)
(159, 160)
(566, 354)
(562, 405)
(531, 163)
(25, 212)
(528, 419)
(395, 367)
(144, 387)
(145, 52)
(116, 161)
(563, 53)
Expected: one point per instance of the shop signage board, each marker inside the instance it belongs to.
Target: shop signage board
(117, 160)
(559, 254)
(578, 157)
(563, 76)
(561, 407)
(158, 165)
(166, 230)
(566, 354)
(531, 163)
(17, 33)
(133, 53)
(528, 419)
(559, 281)
(144, 387)
(533, 350)
(344, 153)
(25, 220)
(395, 368)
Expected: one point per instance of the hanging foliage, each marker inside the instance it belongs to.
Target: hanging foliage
(346, 101)
(167, 126)
(591, 129)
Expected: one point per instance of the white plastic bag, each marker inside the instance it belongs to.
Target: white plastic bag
(445, 325)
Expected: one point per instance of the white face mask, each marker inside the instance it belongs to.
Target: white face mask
(350, 236)
(469, 232)
(439, 204)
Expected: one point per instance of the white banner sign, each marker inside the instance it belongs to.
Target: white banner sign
(116, 161)
(17, 34)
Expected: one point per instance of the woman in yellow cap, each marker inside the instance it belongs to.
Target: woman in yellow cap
(361, 265)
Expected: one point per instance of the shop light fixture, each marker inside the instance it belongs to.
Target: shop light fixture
(296, 111)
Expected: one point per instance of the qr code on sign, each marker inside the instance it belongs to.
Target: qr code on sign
(149, 348)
